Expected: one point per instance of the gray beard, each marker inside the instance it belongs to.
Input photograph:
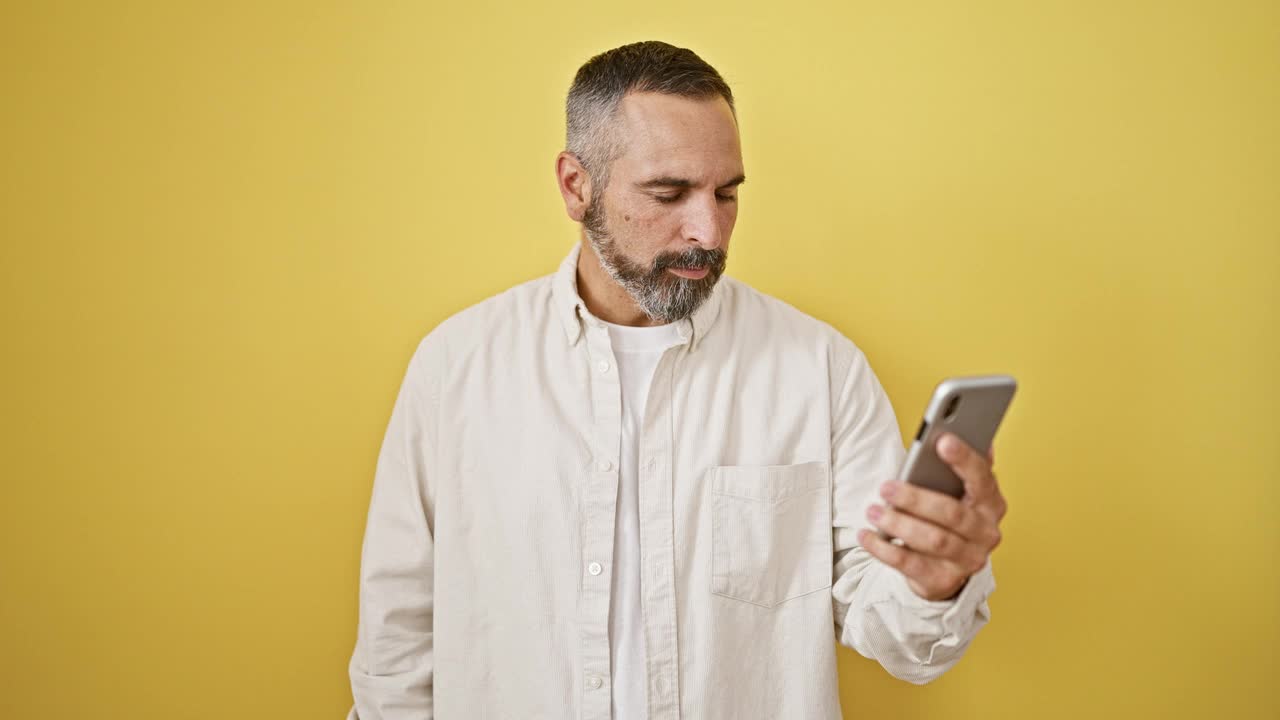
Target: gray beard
(661, 296)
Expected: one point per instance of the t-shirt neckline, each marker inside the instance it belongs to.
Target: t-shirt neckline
(643, 337)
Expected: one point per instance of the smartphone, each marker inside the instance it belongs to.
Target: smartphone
(972, 408)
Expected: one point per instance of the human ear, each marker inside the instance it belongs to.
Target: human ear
(574, 184)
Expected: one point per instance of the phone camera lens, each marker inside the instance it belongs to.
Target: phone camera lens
(951, 408)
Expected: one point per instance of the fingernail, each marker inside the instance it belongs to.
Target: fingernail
(949, 446)
(889, 489)
(874, 512)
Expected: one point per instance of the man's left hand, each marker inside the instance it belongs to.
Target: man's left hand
(945, 540)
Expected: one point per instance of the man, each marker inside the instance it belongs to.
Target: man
(639, 488)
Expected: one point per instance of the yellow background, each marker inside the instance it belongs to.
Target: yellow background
(225, 227)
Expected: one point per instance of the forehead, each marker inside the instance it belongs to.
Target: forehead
(678, 136)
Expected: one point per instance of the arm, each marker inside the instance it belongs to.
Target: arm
(392, 666)
(876, 611)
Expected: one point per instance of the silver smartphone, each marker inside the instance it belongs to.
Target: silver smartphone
(972, 408)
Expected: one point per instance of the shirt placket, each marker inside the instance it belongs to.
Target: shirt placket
(598, 518)
(657, 538)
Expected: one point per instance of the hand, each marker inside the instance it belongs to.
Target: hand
(945, 540)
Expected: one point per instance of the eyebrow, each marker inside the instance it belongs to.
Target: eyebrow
(676, 182)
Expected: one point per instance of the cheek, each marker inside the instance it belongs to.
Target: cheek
(645, 221)
(632, 215)
(639, 230)
(730, 217)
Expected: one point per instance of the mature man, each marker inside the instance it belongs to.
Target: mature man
(637, 487)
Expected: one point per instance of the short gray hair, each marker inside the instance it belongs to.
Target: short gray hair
(602, 82)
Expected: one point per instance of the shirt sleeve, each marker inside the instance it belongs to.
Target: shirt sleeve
(876, 612)
(392, 666)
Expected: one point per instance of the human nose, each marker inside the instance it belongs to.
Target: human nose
(704, 225)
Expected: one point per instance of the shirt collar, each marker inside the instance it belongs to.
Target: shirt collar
(573, 310)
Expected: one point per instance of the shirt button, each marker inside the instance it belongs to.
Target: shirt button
(595, 682)
(594, 568)
(603, 465)
(603, 365)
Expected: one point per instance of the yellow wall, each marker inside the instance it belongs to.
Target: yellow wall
(225, 228)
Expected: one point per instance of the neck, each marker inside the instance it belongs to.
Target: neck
(605, 298)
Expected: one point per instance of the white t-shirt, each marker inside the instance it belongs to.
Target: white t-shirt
(636, 351)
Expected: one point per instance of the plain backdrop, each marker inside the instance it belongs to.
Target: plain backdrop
(225, 226)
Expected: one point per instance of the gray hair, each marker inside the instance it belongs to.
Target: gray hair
(602, 82)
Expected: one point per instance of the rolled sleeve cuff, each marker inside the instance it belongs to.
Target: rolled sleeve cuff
(951, 623)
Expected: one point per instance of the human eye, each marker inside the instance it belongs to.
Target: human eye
(667, 199)
(726, 198)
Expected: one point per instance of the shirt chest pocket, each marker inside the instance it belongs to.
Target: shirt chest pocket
(770, 531)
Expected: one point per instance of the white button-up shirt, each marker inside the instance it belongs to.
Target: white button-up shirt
(485, 570)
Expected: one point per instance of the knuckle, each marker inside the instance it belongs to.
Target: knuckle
(977, 469)
(953, 513)
(996, 537)
(936, 542)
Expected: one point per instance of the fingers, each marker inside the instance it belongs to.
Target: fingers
(969, 464)
(929, 539)
(940, 509)
(930, 577)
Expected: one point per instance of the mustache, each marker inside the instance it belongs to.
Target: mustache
(693, 258)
